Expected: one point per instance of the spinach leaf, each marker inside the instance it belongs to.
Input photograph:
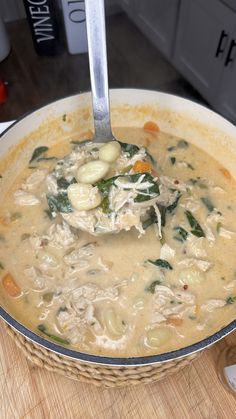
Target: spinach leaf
(1, 265)
(48, 213)
(218, 227)
(152, 219)
(130, 149)
(48, 296)
(163, 211)
(230, 299)
(43, 329)
(105, 185)
(59, 202)
(190, 166)
(172, 207)
(161, 263)
(62, 309)
(152, 190)
(105, 205)
(208, 203)
(47, 158)
(202, 186)
(171, 148)
(38, 152)
(62, 183)
(151, 158)
(181, 234)
(64, 117)
(173, 160)
(151, 288)
(193, 181)
(182, 144)
(79, 142)
(196, 228)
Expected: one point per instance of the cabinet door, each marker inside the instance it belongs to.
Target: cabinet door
(226, 98)
(157, 19)
(129, 6)
(203, 37)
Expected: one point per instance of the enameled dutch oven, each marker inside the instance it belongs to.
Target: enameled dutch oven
(129, 108)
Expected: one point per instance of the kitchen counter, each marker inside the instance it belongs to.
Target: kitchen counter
(29, 392)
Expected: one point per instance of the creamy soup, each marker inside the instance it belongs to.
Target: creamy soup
(163, 279)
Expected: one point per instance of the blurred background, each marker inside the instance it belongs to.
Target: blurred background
(184, 47)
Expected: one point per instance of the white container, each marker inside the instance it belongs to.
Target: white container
(75, 25)
(5, 46)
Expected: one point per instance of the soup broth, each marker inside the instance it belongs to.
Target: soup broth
(148, 290)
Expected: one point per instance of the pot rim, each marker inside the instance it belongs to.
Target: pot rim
(106, 360)
(116, 361)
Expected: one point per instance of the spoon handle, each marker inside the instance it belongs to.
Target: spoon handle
(96, 34)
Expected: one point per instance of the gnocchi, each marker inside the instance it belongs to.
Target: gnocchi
(158, 336)
(113, 323)
(110, 152)
(84, 197)
(92, 171)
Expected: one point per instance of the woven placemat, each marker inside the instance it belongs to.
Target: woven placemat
(97, 374)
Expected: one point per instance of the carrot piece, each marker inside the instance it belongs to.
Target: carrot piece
(4, 220)
(142, 167)
(10, 285)
(225, 172)
(151, 126)
(174, 321)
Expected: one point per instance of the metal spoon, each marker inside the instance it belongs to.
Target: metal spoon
(97, 50)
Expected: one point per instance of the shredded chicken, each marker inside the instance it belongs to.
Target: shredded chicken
(211, 305)
(25, 198)
(167, 252)
(34, 180)
(203, 265)
(168, 302)
(227, 234)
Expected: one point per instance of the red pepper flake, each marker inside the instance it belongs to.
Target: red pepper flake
(185, 287)
(176, 182)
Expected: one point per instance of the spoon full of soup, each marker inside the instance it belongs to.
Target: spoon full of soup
(110, 185)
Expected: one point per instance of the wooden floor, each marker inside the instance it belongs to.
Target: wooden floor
(34, 81)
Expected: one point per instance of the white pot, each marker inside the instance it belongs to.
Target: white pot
(130, 107)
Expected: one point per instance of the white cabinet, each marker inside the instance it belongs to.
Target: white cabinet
(158, 19)
(199, 39)
(203, 40)
(130, 7)
(226, 98)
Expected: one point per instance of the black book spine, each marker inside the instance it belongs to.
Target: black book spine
(42, 18)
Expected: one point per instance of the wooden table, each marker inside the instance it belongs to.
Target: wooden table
(29, 392)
